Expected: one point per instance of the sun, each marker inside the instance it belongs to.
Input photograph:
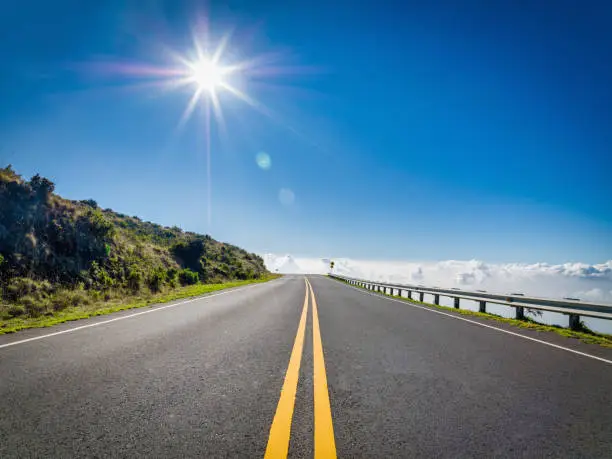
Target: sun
(207, 75)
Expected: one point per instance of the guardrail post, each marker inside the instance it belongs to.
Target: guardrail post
(574, 321)
(515, 300)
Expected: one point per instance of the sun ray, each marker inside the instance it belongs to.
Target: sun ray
(208, 165)
(190, 107)
(218, 111)
(241, 95)
(221, 48)
(208, 73)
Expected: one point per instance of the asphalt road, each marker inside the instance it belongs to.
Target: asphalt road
(372, 377)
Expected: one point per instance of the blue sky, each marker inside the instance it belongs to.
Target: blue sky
(421, 131)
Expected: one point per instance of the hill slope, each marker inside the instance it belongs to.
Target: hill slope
(55, 252)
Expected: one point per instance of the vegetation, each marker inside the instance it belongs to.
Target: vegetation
(63, 258)
(585, 334)
(81, 310)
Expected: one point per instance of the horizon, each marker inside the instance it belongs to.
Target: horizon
(441, 133)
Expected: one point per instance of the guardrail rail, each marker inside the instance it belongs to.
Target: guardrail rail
(573, 308)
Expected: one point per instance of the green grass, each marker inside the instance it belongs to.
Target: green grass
(101, 308)
(585, 335)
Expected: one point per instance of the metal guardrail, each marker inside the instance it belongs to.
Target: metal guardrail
(572, 307)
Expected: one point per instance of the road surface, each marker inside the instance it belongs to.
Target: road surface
(368, 377)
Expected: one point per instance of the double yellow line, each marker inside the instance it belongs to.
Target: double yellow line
(280, 432)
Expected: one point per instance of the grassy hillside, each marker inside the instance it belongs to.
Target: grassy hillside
(57, 254)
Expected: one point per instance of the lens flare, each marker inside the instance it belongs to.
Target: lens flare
(263, 160)
(286, 196)
(206, 71)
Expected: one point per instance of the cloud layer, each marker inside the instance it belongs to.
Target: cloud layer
(576, 280)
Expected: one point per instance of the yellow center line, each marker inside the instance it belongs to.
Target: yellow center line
(278, 441)
(324, 443)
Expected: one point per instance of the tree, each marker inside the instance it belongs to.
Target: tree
(331, 265)
(90, 203)
(42, 187)
(189, 253)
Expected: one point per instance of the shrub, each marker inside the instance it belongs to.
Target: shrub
(172, 277)
(69, 298)
(22, 286)
(189, 253)
(134, 280)
(15, 310)
(100, 276)
(34, 307)
(42, 187)
(91, 203)
(156, 280)
(188, 277)
(99, 225)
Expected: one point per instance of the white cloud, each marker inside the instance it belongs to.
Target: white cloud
(576, 280)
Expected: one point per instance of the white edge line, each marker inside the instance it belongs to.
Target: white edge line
(70, 330)
(430, 309)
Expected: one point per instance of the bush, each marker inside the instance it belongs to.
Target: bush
(91, 203)
(156, 280)
(189, 253)
(22, 286)
(15, 310)
(99, 225)
(42, 187)
(172, 277)
(34, 307)
(101, 278)
(188, 277)
(134, 280)
(69, 298)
